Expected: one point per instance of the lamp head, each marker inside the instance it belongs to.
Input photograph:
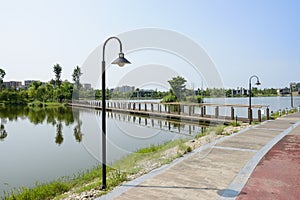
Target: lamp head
(121, 60)
(258, 83)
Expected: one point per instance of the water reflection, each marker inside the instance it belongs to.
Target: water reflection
(173, 126)
(57, 117)
(63, 116)
(59, 136)
(77, 129)
(3, 133)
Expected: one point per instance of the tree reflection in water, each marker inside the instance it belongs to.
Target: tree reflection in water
(59, 136)
(65, 116)
(3, 133)
(57, 117)
(77, 129)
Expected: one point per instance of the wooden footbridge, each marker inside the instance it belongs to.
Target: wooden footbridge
(190, 112)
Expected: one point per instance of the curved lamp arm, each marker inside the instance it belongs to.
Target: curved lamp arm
(104, 45)
(257, 79)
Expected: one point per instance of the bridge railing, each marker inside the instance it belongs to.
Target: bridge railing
(178, 108)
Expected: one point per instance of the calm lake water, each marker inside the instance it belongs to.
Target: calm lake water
(45, 144)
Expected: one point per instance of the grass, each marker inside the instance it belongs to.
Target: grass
(40, 191)
(235, 124)
(55, 189)
(134, 162)
(218, 130)
(277, 114)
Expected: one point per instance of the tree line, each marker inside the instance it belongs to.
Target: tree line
(55, 90)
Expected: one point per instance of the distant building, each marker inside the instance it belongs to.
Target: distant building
(240, 91)
(293, 87)
(27, 83)
(124, 88)
(284, 91)
(87, 86)
(13, 84)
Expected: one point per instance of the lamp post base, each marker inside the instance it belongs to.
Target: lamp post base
(103, 187)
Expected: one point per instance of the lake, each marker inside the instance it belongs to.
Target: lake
(45, 144)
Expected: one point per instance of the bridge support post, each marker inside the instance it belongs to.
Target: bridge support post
(250, 115)
(202, 111)
(259, 115)
(217, 112)
(182, 109)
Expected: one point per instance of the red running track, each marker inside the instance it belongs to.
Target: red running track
(277, 175)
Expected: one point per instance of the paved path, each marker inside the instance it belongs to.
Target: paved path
(277, 176)
(215, 171)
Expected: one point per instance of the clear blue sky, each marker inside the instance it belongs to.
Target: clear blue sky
(241, 37)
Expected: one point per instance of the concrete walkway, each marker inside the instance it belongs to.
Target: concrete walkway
(218, 170)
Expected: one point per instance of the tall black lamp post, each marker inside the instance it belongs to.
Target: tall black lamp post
(121, 61)
(291, 91)
(250, 94)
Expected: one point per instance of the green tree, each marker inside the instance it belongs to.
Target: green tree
(76, 77)
(49, 91)
(42, 93)
(67, 90)
(33, 90)
(57, 71)
(178, 87)
(64, 92)
(2, 74)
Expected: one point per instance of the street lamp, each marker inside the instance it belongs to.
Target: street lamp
(291, 91)
(250, 110)
(121, 61)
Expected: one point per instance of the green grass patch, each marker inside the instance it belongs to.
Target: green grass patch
(218, 130)
(40, 191)
(132, 163)
(235, 124)
(200, 135)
